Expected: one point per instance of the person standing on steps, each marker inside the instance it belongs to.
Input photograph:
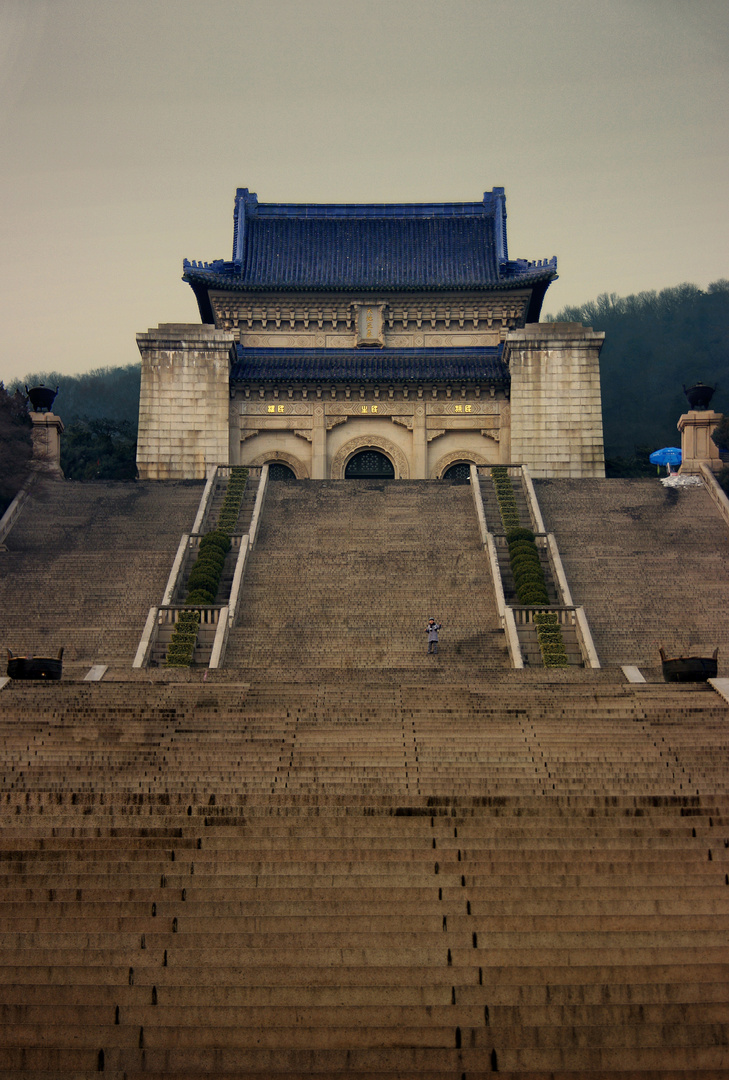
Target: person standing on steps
(432, 631)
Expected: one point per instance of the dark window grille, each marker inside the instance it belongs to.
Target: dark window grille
(371, 464)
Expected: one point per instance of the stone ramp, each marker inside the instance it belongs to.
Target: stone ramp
(344, 577)
(84, 564)
(650, 565)
(313, 881)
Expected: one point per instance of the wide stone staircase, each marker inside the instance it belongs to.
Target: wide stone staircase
(649, 564)
(83, 562)
(528, 878)
(342, 857)
(344, 578)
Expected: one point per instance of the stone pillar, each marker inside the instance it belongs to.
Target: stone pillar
(47, 431)
(319, 444)
(184, 401)
(556, 408)
(697, 446)
(420, 444)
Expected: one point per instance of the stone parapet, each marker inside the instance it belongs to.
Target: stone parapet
(556, 409)
(183, 407)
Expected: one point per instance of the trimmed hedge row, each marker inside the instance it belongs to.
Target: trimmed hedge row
(204, 580)
(230, 509)
(526, 566)
(182, 644)
(551, 642)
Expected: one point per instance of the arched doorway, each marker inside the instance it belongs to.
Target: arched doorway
(459, 472)
(369, 464)
(277, 471)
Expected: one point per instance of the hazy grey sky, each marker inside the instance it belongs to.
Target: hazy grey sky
(126, 126)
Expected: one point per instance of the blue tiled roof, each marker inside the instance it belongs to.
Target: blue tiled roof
(370, 365)
(368, 246)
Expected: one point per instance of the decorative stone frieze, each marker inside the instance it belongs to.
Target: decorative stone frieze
(316, 321)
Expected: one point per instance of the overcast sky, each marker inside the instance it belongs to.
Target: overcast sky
(126, 126)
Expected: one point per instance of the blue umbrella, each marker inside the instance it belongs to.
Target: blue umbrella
(669, 455)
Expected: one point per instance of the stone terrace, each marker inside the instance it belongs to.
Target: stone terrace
(650, 565)
(85, 563)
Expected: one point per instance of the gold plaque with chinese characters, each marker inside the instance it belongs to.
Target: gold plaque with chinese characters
(369, 325)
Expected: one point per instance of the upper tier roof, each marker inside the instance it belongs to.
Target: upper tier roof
(286, 246)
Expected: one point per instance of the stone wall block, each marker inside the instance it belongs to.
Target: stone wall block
(556, 412)
(183, 414)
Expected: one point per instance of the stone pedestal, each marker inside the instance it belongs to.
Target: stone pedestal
(47, 431)
(697, 446)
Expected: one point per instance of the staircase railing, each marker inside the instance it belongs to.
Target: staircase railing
(216, 620)
(514, 616)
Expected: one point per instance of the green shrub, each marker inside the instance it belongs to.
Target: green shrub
(556, 661)
(519, 534)
(200, 579)
(212, 560)
(200, 596)
(182, 643)
(522, 547)
(525, 558)
(216, 539)
(524, 574)
(526, 583)
(551, 642)
(531, 594)
(546, 618)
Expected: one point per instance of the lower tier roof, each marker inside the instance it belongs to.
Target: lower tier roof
(370, 365)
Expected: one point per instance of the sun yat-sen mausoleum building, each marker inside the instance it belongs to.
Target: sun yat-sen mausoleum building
(370, 340)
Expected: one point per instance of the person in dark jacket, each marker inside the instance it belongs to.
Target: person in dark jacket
(432, 631)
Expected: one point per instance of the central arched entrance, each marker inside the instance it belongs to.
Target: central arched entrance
(369, 464)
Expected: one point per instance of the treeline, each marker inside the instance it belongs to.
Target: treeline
(99, 410)
(655, 344)
(16, 446)
(102, 394)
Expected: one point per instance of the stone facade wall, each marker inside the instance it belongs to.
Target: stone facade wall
(556, 409)
(422, 433)
(552, 422)
(184, 401)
